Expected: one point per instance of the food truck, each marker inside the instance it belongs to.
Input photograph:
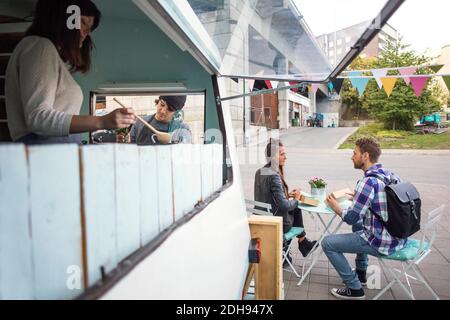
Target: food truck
(121, 221)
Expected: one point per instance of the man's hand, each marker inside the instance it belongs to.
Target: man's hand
(351, 196)
(334, 205)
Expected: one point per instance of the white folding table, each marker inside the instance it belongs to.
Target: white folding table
(321, 211)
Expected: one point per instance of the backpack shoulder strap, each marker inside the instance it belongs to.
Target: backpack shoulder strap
(372, 175)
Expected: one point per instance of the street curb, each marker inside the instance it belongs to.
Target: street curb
(385, 151)
(336, 147)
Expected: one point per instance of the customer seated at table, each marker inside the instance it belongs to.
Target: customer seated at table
(271, 187)
(369, 236)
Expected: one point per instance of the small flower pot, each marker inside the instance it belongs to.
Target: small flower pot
(319, 194)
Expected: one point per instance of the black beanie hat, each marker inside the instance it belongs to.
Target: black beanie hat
(175, 102)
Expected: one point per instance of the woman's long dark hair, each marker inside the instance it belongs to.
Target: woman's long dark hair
(280, 168)
(50, 21)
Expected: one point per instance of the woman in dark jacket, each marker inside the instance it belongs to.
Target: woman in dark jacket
(271, 187)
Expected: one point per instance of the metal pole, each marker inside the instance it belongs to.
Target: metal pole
(243, 99)
(255, 93)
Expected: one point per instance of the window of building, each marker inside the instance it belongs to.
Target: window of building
(331, 44)
(339, 42)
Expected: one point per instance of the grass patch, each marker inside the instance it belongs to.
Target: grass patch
(390, 139)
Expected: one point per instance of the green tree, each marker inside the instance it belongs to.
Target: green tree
(349, 95)
(402, 108)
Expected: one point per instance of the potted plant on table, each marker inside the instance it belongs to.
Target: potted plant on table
(318, 188)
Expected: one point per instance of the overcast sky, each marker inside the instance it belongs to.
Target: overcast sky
(424, 24)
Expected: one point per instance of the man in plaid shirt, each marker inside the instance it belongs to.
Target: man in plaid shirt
(364, 215)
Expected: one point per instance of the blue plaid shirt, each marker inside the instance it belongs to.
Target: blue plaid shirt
(369, 193)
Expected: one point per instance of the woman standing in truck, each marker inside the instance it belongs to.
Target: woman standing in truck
(43, 101)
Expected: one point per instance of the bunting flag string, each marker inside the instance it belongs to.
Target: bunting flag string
(417, 81)
(360, 78)
(432, 67)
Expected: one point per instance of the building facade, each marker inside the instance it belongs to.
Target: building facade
(337, 44)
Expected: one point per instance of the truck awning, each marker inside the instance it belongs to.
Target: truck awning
(272, 39)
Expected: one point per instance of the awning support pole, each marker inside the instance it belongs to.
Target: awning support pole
(255, 93)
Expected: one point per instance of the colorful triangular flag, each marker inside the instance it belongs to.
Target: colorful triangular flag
(388, 84)
(257, 84)
(250, 83)
(314, 88)
(447, 82)
(275, 84)
(292, 83)
(436, 68)
(359, 83)
(418, 84)
(407, 72)
(337, 84)
(378, 74)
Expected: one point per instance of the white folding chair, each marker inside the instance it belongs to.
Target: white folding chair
(288, 236)
(264, 211)
(412, 255)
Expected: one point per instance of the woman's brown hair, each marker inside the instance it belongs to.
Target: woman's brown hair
(50, 21)
(269, 156)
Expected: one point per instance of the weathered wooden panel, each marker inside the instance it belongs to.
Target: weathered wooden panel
(56, 221)
(181, 168)
(99, 198)
(165, 197)
(127, 199)
(16, 275)
(217, 165)
(207, 170)
(148, 194)
(195, 174)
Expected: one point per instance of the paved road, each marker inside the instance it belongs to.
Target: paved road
(427, 167)
(315, 138)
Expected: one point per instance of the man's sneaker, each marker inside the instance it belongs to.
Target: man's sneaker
(348, 294)
(306, 246)
(362, 277)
